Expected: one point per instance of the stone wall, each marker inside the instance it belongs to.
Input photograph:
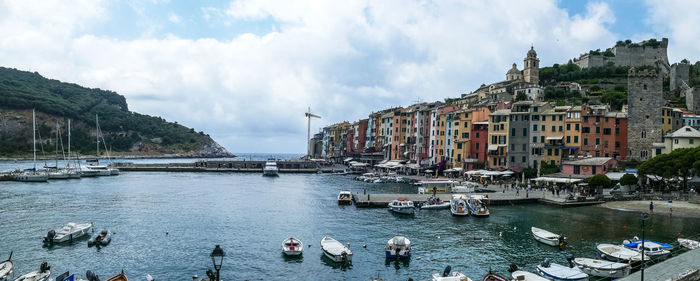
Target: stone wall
(638, 55)
(680, 72)
(692, 100)
(645, 101)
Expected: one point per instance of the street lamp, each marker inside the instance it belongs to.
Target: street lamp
(643, 217)
(217, 258)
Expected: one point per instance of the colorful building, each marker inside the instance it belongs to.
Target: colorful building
(498, 139)
(588, 166)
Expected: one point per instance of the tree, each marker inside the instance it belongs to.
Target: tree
(599, 181)
(521, 96)
(628, 179)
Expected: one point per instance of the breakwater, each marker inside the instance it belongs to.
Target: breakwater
(287, 166)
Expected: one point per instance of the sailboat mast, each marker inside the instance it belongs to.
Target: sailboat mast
(69, 143)
(97, 135)
(34, 136)
(56, 144)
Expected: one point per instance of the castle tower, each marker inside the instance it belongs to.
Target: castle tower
(644, 101)
(531, 72)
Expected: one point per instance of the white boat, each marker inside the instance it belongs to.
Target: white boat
(402, 206)
(558, 272)
(688, 244)
(446, 276)
(270, 168)
(434, 203)
(398, 247)
(436, 186)
(345, 197)
(458, 206)
(652, 249)
(38, 275)
(32, 175)
(58, 175)
(477, 206)
(68, 233)
(292, 246)
(602, 268)
(335, 250)
(547, 237)
(74, 174)
(6, 267)
(96, 170)
(620, 253)
(520, 275)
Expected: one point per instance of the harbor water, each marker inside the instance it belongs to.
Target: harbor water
(166, 225)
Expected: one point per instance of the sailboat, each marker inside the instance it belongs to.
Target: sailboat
(31, 174)
(100, 170)
(56, 173)
(72, 173)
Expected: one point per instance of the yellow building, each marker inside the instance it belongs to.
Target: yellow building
(552, 125)
(685, 137)
(572, 129)
(672, 119)
(498, 139)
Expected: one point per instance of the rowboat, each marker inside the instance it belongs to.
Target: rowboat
(520, 275)
(620, 253)
(119, 277)
(491, 276)
(6, 267)
(37, 275)
(688, 244)
(602, 268)
(335, 250)
(292, 246)
(398, 247)
(547, 237)
(558, 272)
(446, 276)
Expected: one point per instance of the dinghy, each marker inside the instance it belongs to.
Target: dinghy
(602, 268)
(335, 250)
(6, 267)
(118, 277)
(446, 276)
(37, 275)
(620, 253)
(292, 246)
(434, 203)
(68, 233)
(398, 247)
(558, 272)
(102, 238)
(458, 206)
(520, 275)
(547, 237)
(688, 244)
(402, 206)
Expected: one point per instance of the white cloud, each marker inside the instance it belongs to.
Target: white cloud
(678, 21)
(344, 61)
(174, 18)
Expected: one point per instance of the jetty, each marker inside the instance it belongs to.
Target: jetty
(244, 166)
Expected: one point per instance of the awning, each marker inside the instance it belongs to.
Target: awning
(347, 159)
(413, 166)
(554, 138)
(402, 144)
(556, 180)
(493, 147)
(616, 176)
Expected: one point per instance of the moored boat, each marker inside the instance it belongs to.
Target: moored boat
(270, 168)
(119, 277)
(602, 268)
(653, 249)
(102, 238)
(558, 272)
(620, 253)
(69, 232)
(38, 275)
(477, 206)
(547, 237)
(402, 206)
(6, 267)
(458, 206)
(398, 247)
(292, 246)
(492, 276)
(446, 276)
(434, 203)
(344, 197)
(520, 275)
(58, 175)
(335, 250)
(31, 176)
(688, 244)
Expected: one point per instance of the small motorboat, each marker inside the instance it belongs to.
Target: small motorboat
(119, 277)
(335, 250)
(101, 239)
(558, 272)
(520, 275)
(653, 249)
(398, 247)
(345, 197)
(547, 237)
(688, 244)
(477, 206)
(6, 267)
(37, 275)
(635, 240)
(91, 276)
(602, 268)
(434, 203)
(620, 253)
(492, 276)
(402, 206)
(68, 233)
(270, 168)
(292, 247)
(458, 206)
(446, 276)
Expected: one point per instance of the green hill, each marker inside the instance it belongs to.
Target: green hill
(124, 131)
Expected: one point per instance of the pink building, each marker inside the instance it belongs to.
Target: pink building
(588, 166)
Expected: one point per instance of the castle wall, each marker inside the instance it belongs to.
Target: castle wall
(645, 102)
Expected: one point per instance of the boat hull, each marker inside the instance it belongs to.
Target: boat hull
(290, 248)
(335, 251)
(688, 244)
(444, 205)
(58, 176)
(605, 269)
(393, 255)
(6, 268)
(402, 210)
(564, 277)
(31, 177)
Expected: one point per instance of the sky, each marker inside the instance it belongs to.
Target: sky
(245, 71)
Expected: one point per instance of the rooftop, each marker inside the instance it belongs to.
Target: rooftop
(592, 161)
(685, 132)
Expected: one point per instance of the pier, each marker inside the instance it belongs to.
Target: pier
(382, 200)
(684, 267)
(290, 166)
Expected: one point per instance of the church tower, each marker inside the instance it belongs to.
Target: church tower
(531, 72)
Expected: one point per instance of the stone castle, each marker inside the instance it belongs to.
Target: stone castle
(647, 52)
(645, 110)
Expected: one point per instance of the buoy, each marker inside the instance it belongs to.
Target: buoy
(515, 227)
(438, 237)
(166, 233)
(474, 237)
(364, 245)
(309, 245)
(418, 258)
(348, 244)
(500, 234)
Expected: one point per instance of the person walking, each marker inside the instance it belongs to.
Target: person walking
(651, 207)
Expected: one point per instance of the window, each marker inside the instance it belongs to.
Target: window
(645, 86)
(658, 151)
(644, 134)
(549, 152)
(585, 119)
(643, 153)
(568, 139)
(605, 144)
(477, 146)
(512, 132)
(477, 135)
(542, 128)
(597, 118)
(535, 109)
(524, 147)
(524, 159)
(534, 128)
(597, 141)
(542, 139)
(561, 128)
(534, 139)
(586, 130)
(597, 130)
(576, 127)
(502, 127)
(606, 131)
(575, 139)
(459, 145)
(554, 128)
(675, 141)
(691, 141)
(585, 141)
(556, 152)
(544, 117)
(568, 127)
(512, 159)
(617, 131)
(524, 132)
(512, 147)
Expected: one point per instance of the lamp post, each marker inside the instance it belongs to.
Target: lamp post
(217, 258)
(643, 217)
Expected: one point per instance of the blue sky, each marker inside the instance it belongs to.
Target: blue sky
(244, 71)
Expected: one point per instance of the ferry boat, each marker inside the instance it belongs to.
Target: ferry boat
(402, 206)
(270, 168)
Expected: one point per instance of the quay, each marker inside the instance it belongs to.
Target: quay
(243, 166)
(684, 267)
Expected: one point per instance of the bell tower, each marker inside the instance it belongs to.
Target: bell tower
(531, 72)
